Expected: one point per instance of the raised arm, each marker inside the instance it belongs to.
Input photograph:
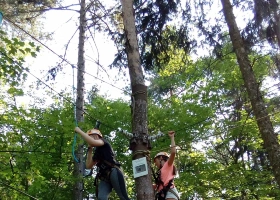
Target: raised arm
(91, 141)
(171, 159)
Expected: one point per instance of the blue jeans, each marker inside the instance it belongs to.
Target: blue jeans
(117, 182)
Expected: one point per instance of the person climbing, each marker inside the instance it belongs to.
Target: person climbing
(109, 173)
(164, 179)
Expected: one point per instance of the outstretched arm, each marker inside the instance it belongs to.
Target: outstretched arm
(172, 148)
(91, 141)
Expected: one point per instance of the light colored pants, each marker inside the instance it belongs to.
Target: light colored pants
(171, 195)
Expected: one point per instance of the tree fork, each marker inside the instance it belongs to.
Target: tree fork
(271, 143)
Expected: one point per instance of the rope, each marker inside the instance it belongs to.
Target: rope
(75, 119)
(158, 135)
(126, 133)
(62, 58)
(1, 17)
(146, 153)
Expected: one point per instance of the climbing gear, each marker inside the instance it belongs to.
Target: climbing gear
(104, 173)
(161, 154)
(105, 168)
(94, 131)
(145, 153)
(161, 195)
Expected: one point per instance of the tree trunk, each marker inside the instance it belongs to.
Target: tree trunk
(276, 16)
(139, 144)
(270, 139)
(277, 27)
(79, 166)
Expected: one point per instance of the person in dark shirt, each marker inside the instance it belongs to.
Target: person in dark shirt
(109, 172)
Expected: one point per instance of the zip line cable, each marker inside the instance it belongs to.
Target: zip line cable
(199, 122)
(34, 38)
(159, 133)
(76, 68)
(83, 71)
(157, 150)
(18, 64)
(72, 64)
(218, 134)
(32, 151)
(13, 188)
(75, 137)
(125, 132)
(74, 105)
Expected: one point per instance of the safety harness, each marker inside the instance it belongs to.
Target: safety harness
(104, 172)
(161, 195)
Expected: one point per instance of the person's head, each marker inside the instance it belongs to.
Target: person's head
(95, 133)
(160, 159)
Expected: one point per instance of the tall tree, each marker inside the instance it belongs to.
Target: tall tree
(140, 142)
(271, 143)
(78, 168)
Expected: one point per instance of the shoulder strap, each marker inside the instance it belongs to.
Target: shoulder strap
(158, 179)
(169, 184)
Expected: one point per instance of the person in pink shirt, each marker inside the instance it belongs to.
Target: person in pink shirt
(164, 186)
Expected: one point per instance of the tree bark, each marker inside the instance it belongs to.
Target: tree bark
(79, 166)
(276, 20)
(277, 27)
(139, 144)
(271, 143)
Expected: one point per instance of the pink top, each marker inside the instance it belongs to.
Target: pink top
(166, 174)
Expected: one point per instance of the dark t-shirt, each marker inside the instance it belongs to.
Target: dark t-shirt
(104, 152)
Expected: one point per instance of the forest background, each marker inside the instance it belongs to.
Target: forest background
(195, 88)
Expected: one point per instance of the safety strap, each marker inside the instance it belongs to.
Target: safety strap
(167, 187)
(112, 165)
(97, 175)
